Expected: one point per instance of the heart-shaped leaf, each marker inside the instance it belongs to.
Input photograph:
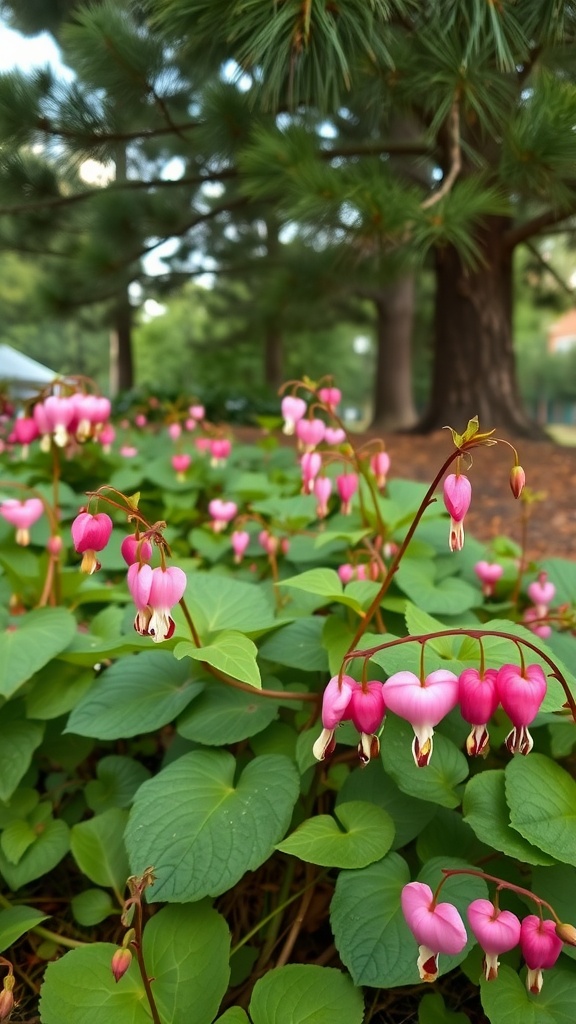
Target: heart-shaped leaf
(202, 829)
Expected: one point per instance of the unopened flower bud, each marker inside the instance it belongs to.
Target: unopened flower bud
(54, 545)
(120, 963)
(566, 932)
(7, 997)
(517, 480)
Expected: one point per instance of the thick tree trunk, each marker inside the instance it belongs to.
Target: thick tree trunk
(393, 400)
(474, 366)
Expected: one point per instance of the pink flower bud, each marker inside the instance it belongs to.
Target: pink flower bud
(197, 412)
(380, 464)
(310, 464)
(488, 573)
(135, 549)
(335, 701)
(322, 491)
(346, 572)
(331, 397)
(437, 927)
(25, 430)
(91, 533)
(334, 435)
(310, 433)
(22, 515)
(7, 997)
(140, 420)
(423, 704)
(128, 451)
(540, 947)
(220, 448)
(497, 931)
(479, 699)
(517, 480)
(222, 513)
(106, 436)
(174, 431)
(180, 463)
(366, 710)
(457, 498)
(293, 409)
(240, 540)
(54, 545)
(532, 617)
(121, 961)
(347, 485)
(521, 697)
(541, 592)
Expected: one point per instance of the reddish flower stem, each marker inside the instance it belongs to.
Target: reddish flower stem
(500, 883)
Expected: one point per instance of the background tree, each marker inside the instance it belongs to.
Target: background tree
(491, 88)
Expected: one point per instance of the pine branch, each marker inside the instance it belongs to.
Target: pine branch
(79, 197)
(455, 157)
(550, 269)
(536, 226)
(59, 131)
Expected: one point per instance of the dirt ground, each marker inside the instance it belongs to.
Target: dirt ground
(550, 472)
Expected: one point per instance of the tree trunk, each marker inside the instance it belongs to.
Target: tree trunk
(273, 355)
(474, 366)
(121, 364)
(393, 400)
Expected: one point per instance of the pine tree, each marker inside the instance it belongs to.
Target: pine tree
(490, 90)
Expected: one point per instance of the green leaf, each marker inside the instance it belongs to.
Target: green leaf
(98, 848)
(556, 885)
(15, 840)
(508, 1001)
(298, 645)
(118, 780)
(449, 596)
(56, 689)
(437, 781)
(542, 800)
(359, 834)
(229, 827)
(230, 652)
(371, 935)
(37, 638)
(234, 1015)
(20, 738)
(433, 1010)
(306, 994)
(220, 602)
(323, 582)
(186, 951)
(92, 906)
(15, 922)
(51, 845)
(224, 715)
(409, 814)
(486, 811)
(419, 622)
(135, 695)
(448, 832)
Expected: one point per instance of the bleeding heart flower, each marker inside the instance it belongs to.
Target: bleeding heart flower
(423, 704)
(497, 931)
(521, 696)
(437, 927)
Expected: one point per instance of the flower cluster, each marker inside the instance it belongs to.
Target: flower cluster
(311, 432)
(439, 928)
(62, 418)
(425, 702)
(154, 591)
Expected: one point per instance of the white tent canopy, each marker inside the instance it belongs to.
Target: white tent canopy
(22, 374)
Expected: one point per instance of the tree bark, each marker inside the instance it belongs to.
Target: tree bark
(121, 362)
(393, 400)
(474, 365)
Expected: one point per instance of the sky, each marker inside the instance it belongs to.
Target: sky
(23, 52)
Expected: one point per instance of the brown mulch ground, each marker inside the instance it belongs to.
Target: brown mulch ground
(550, 471)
